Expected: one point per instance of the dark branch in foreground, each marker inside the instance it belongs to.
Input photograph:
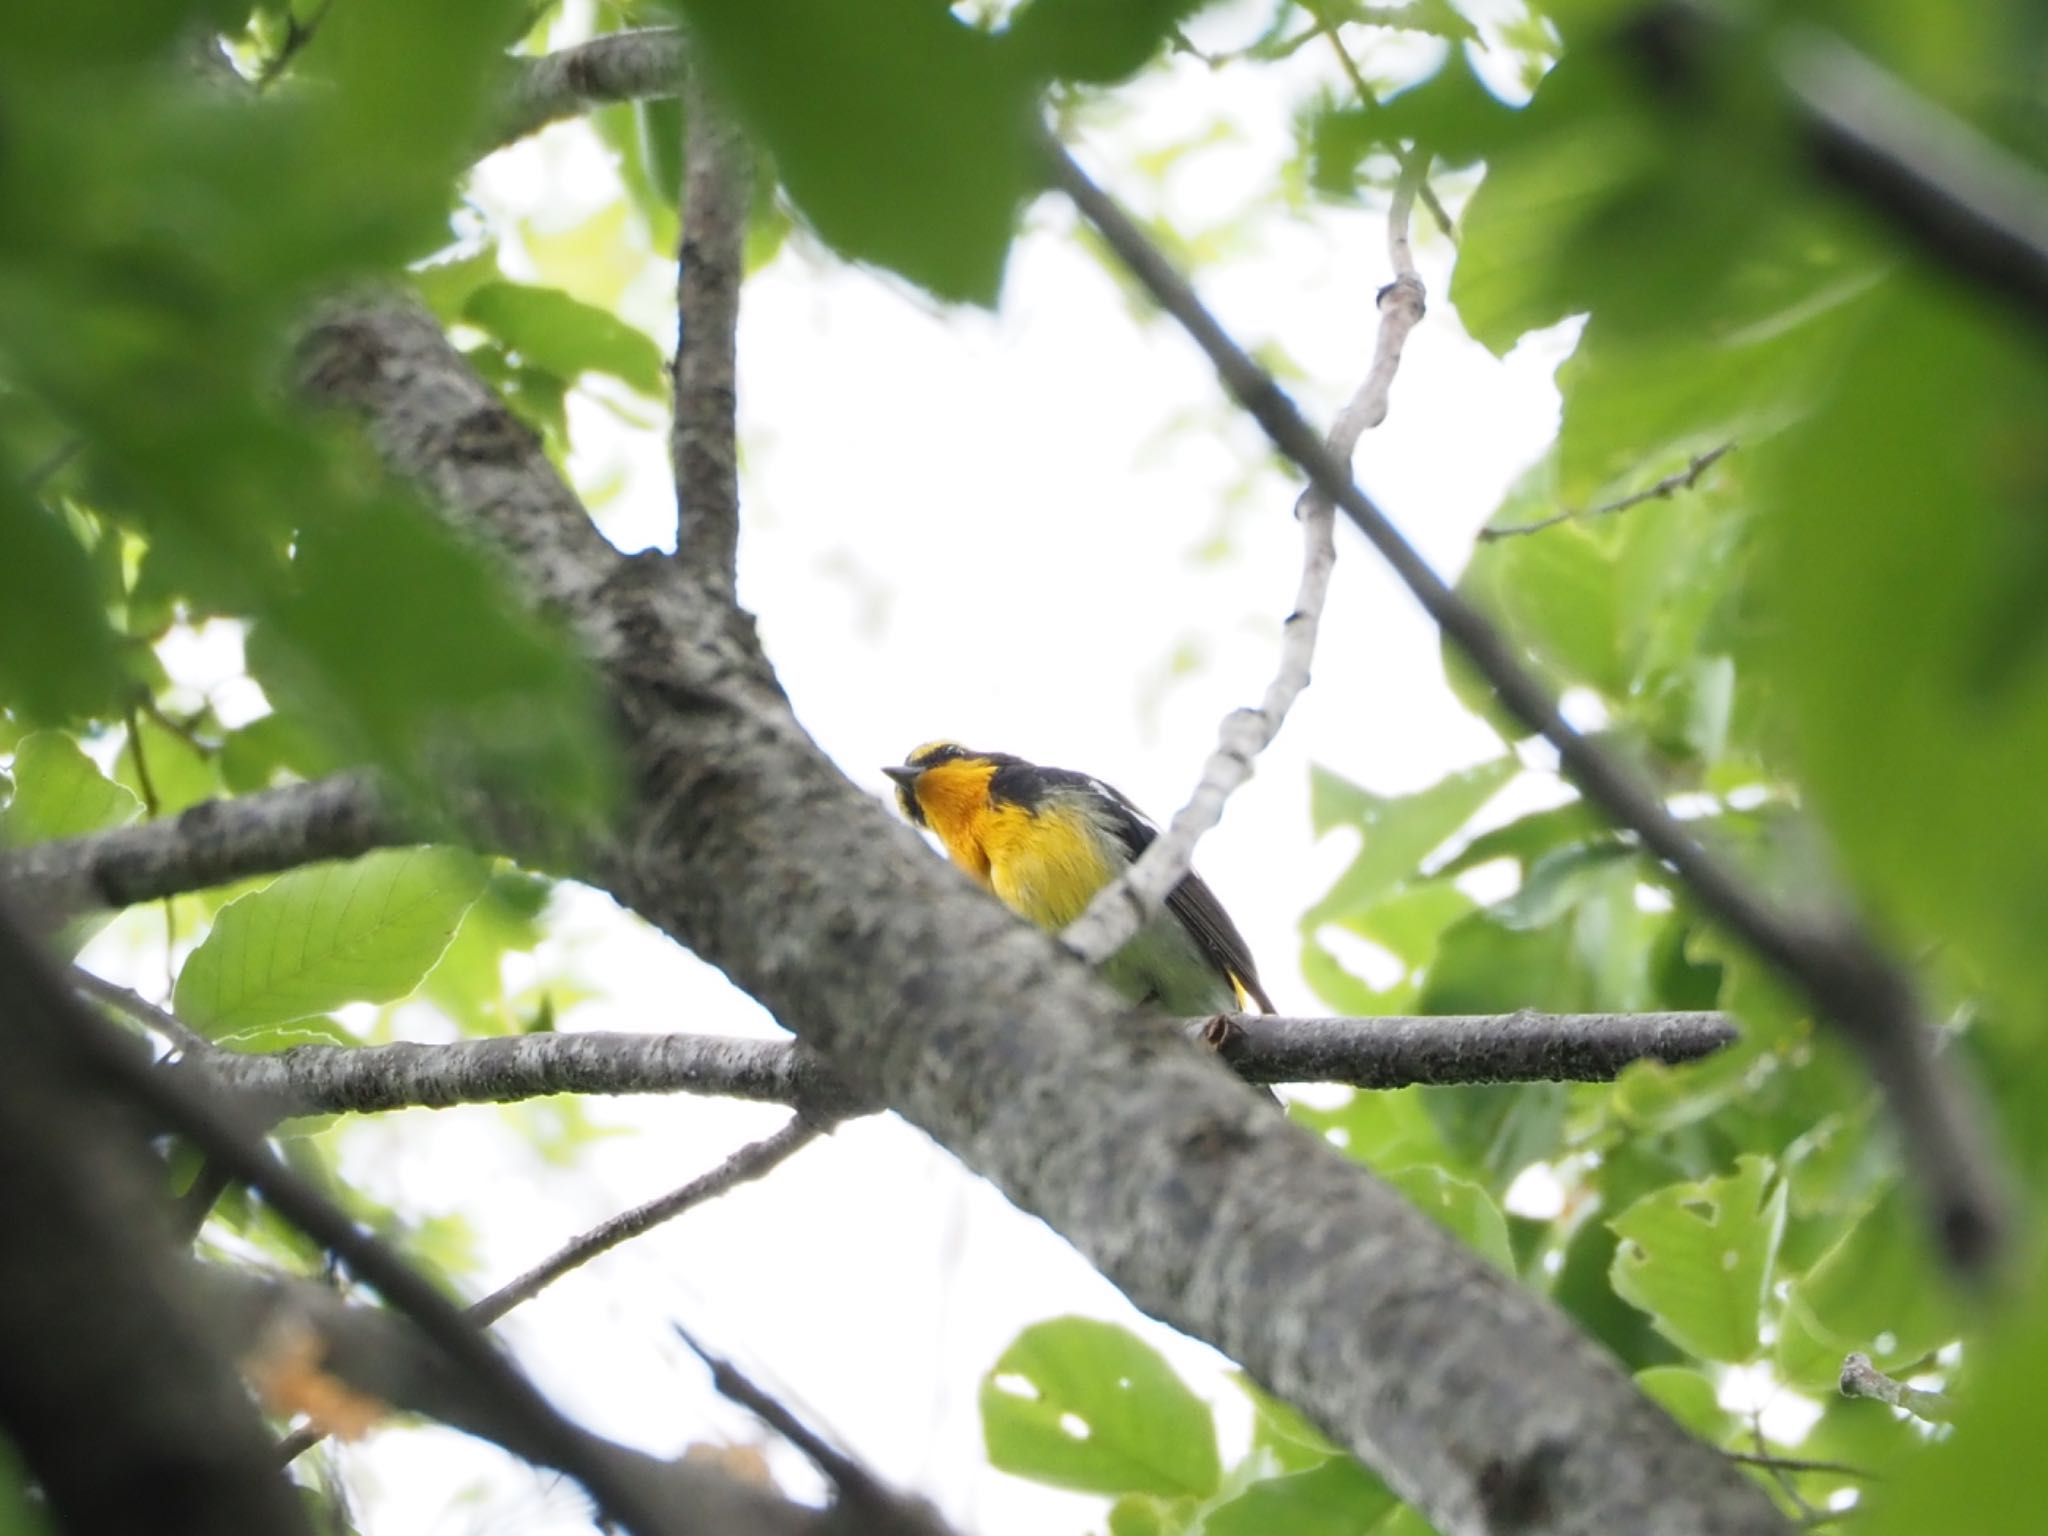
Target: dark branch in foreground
(117, 1409)
(1843, 974)
(385, 1357)
(1392, 1052)
(214, 843)
(172, 1102)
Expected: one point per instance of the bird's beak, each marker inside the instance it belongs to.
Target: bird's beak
(903, 774)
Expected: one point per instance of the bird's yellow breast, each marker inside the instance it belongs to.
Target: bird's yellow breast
(1044, 864)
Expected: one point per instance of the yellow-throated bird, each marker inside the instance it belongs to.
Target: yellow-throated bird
(1045, 840)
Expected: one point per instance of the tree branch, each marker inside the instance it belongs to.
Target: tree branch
(1476, 1398)
(123, 1416)
(1682, 480)
(744, 1166)
(1862, 1379)
(1828, 957)
(213, 843)
(1130, 901)
(620, 66)
(173, 1102)
(1387, 1052)
(710, 266)
(385, 1356)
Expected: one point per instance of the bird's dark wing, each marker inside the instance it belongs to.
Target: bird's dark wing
(1191, 901)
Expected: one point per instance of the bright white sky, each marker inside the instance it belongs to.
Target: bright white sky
(985, 527)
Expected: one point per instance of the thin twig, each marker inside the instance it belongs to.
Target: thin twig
(731, 1382)
(1829, 957)
(40, 473)
(1127, 903)
(1683, 480)
(744, 1166)
(710, 267)
(1413, 158)
(1860, 1378)
(182, 1036)
(1798, 1464)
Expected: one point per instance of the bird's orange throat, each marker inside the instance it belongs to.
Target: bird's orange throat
(955, 802)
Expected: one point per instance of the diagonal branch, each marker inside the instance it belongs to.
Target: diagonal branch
(1843, 974)
(119, 1411)
(1860, 1378)
(1478, 1400)
(710, 265)
(1386, 1052)
(1127, 903)
(214, 843)
(174, 1103)
(383, 1355)
(751, 1162)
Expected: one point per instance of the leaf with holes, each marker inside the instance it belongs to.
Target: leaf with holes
(1698, 1258)
(1083, 1404)
(332, 934)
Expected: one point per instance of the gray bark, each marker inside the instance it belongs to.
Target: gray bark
(1474, 1397)
(1389, 1052)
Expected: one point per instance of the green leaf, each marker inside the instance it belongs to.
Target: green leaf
(1089, 42)
(1280, 1432)
(283, 1037)
(1877, 1290)
(180, 774)
(1906, 573)
(59, 792)
(57, 650)
(1400, 831)
(1698, 1258)
(1338, 1498)
(331, 934)
(903, 134)
(1087, 1405)
(546, 329)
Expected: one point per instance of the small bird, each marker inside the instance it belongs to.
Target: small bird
(1045, 840)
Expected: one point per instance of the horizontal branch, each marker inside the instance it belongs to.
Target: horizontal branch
(621, 66)
(214, 843)
(1392, 1052)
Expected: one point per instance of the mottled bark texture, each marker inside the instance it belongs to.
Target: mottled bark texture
(122, 1414)
(213, 843)
(1474, 1397)
(1392, 1052)
(624, 66)
(718, 174)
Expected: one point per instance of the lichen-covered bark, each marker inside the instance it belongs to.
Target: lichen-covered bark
(1475, 1398)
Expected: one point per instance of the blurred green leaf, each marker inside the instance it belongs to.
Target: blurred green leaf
(1087, 41)
(1088, 1405)
(903, 134)
(1400, 831)
(1698, 1258)
(548, 330)
(316, 938)
(60, 792)
(57, 650)
(1338, 1498)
